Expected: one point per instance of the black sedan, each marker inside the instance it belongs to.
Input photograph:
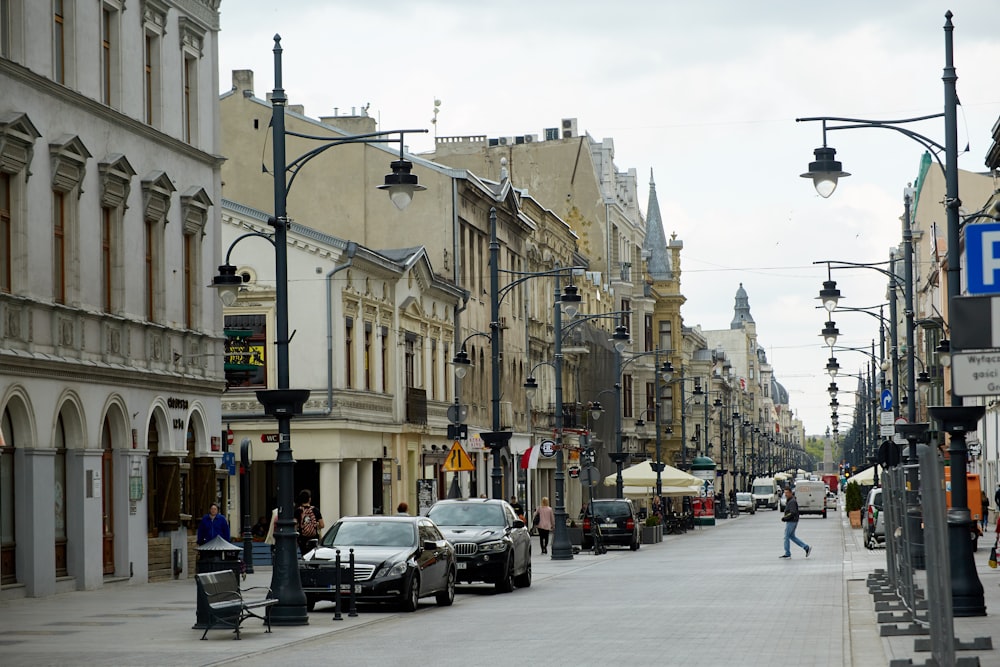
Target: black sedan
(491, 542)
(396, 559)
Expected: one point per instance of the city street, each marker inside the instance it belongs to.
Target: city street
(715, 595)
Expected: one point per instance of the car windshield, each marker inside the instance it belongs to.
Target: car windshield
(466, 514)
(763, 490)
(370, 534)
(743, 496)
(610, 510)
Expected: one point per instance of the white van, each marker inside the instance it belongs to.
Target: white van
(765, 492)
(811, 497)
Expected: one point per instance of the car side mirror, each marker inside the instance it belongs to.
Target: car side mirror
(430, 545)
(518, 523)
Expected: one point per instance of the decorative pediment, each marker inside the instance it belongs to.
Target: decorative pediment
(69, 163)
(154, 15)
(17, 141)
(192, 35)
(156, 192)
(116, 180)
(195, 203)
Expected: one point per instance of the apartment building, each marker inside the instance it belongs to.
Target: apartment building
(110, 353)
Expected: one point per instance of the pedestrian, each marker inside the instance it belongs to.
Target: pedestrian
(213, 525)
(269, 539)
(402, 509)
(545, 521)
(984, 500)
(308, 519)
(996, 501)
(791, 519)
(518, 510)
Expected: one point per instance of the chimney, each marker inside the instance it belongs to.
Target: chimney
(243, 81)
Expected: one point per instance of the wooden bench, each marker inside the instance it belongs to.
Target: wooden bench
(227, 604)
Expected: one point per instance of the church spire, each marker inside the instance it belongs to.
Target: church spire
(654, 246)
(741, 312)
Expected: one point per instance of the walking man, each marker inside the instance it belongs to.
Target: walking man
(791, 519)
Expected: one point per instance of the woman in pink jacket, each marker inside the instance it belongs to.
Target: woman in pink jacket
(545, 521)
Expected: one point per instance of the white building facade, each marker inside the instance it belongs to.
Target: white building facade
(110, 366)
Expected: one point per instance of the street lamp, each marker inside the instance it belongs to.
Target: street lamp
(967, 591)
(284, 403)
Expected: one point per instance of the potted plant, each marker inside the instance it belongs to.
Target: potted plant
(652, 530)
(852, 503)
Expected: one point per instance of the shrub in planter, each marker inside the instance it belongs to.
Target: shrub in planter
(652, 520)
(852, 497)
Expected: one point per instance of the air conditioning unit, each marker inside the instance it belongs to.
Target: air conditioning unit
(506, 414)
(530, 138)
(503, 141)
(569, 128)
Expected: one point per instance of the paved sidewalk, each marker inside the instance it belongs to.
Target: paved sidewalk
(151, 624)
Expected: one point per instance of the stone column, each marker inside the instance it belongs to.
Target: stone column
(366, 486)
(349, 487)
(35, 557)
(329, 491)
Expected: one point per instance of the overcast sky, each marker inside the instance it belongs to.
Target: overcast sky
(705, 94)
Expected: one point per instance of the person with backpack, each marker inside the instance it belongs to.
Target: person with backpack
(308, 520)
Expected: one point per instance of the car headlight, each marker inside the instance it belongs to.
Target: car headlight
(393, 570)
(493, 547)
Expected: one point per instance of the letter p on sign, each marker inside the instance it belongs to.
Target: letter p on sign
(982, 245)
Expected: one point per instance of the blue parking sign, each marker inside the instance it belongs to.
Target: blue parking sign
(982, 258)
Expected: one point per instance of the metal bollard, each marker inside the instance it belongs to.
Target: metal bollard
(336, 592)
(352, 609)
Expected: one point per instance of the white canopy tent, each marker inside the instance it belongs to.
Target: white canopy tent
(643, 475)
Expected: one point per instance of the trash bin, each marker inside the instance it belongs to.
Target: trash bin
(216, 555)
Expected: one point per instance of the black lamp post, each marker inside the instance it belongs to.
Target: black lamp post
(284, 403)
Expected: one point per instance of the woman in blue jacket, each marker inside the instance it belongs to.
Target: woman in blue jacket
(213, 525)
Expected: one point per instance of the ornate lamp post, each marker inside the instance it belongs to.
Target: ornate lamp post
(283, 403)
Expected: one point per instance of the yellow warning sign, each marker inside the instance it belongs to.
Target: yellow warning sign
(458, 460)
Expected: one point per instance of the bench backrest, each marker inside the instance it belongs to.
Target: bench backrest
(220, 586)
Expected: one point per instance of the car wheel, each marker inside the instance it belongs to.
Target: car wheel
(523, 580)
(824, 514)
(505, 584)
(446, 597)
(634, 546)
(868, 541)
(310, 603)
(586, 546)
(411, 600)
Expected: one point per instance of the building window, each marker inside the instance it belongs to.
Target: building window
(150, 270)
(626, 317)
(385, 359)
(246, 341)
(349, 353)
(369, 370)
(151, 77)
(59, 246)
(110, 54)
(59, 41)
(189, 272)
(628, 399)
(190, 75)
(665, 338)
(116, 184)
(5, 233)
(410, 359)
(650, 398)
(647, 332)
(107, 258)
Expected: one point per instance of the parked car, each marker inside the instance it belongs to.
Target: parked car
(831, 500)
(396, 559)
(491, 543)
(745, 502)
(615, 519)
(873, 519)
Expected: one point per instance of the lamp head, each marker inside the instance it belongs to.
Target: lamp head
(401, 184)
(829, 295)
(830, 333)
(621, 338)
(825, 171)
(570, 301)
(530, 387)
(228, 284)
(832, 367)
(943, 350)
(595, 410)
(667, 371)
(462, 364)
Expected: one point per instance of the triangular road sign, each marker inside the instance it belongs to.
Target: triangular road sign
(458, 460)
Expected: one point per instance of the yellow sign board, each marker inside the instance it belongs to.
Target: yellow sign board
(458, 460)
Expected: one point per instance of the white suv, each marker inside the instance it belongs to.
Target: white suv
(873, 519)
